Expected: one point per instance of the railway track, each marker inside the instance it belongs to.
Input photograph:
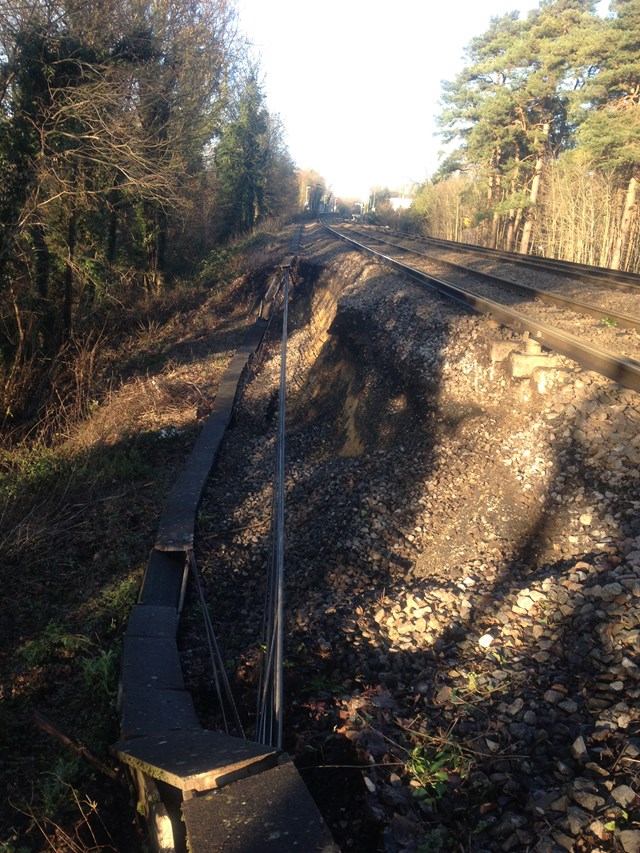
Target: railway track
(435, 509)
(230, 786)
(589, 319)
(584, 272)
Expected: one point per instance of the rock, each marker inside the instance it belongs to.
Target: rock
(443, 695)
(579, 749)
(632, 750)
(508, 824)
(596, 768)
(611, 591)
(623, 719)
(630, 840)
(561, 804)
(577, 819)
(623, 795)
(370, 784)
(597, 828)
(587, 800)
(553, 696)
(525, 602)
(515, 707)
(564, 841)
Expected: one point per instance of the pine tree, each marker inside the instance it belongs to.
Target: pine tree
(609, 112)
(509, 108)
(255, 174)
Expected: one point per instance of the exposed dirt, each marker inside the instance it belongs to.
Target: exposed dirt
(463, 574)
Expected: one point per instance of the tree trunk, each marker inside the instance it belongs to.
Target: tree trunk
(515, 218)
(42, 259)
(115, 201)
(67, 307)
(525, 239)
(625, 224)
(112, 237)
(157, 239)
(495, 222)
(163, 240)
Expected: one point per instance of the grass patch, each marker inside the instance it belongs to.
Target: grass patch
(54, 643)
(431, 765)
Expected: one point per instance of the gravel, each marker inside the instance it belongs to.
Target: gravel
(463, 574)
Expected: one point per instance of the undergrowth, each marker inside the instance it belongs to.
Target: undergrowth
(89, 447)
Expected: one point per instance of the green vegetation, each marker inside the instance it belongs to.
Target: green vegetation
(431, 764)
(140, 175)
(52, 643)
(79, 507)
(543, 134)
(134, 141)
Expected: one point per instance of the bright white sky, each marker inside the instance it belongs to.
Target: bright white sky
(356, 83)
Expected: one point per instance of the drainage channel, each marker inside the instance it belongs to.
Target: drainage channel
(201, 790)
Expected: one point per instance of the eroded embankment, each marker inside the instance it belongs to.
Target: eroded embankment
(386, 369)
(463, 574)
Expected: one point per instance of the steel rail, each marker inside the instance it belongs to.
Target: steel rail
(624, 321)
(616, 279)
(626, 371)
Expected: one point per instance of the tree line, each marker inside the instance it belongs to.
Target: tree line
(134, 138)
(543, 134)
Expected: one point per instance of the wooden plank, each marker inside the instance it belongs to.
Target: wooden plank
(269, 813)
(163, 579)
(195, 760)
(155, 711)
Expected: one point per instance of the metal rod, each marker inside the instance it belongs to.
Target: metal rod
(278, 686)
(270, 690)
(217, 663)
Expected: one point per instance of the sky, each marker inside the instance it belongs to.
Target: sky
(356, 83)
